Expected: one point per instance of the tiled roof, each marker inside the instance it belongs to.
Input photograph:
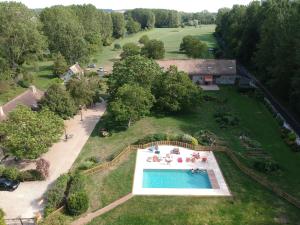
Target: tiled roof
(76, 69)
(202, 66)
(27, 98)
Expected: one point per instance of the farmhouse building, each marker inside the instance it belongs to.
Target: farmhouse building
(73, 70)
(28, 98)
(205, 71)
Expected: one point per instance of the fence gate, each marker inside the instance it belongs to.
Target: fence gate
(20, 221)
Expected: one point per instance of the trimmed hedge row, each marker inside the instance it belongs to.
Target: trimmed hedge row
(55, 196)
(78, 200)
(14, 174)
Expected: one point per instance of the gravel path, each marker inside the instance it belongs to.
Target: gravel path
(26, 200)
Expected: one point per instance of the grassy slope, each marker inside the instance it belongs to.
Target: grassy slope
(251, 204)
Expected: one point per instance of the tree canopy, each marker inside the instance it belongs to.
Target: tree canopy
(59, 101)
(28, 134)
(145, 17)
(193, 47)
(118, 24)
(154, 49)
(20, 37)
(130, 49)
(130, 103)
(60, 65)
(132, 26)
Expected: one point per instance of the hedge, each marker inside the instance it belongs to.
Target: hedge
(171, 137)
(2, 222)
(14, 174)
(55, 196)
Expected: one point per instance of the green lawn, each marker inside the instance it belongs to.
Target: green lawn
(170, 36)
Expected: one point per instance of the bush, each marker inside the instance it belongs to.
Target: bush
(152, 138)
(31, 175)
(189, 139)
(117, 46)
(86, 165)
(77, 203)
(56, 194)
(24, 83)
(225, 118)
(266, 166)
(11, 173)
(144, 39)
(2, 222)
(205, 137)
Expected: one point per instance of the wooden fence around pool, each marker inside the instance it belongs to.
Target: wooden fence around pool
(129, 148)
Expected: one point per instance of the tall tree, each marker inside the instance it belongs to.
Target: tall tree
(132, 26)
(20, 38)
(65, 33)
(59, 101)
(154, 49)
(144, 16)
(60, 65)
(131, 102)
(38, 131)
(118, 24)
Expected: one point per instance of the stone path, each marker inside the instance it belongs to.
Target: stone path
(90, 216)
(26, 200)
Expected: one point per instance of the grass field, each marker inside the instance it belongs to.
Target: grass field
(170, 36)
(255, 120)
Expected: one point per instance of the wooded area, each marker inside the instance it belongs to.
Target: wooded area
(266, 38)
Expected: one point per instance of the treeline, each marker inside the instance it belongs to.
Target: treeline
(198, 18)
(266, 37)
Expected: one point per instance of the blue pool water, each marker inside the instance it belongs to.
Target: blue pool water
(175, 179)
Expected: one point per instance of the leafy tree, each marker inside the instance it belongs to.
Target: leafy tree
(131, 102)
(174, 92)
(20, 38)
(154, 49)
(130, 49)
(132, 26)
(166, 18)
(118, 24)
(28, 134)
(59, 101)
(144, 16)
(133, 70)
(65, 33)
(84, 91)
(60, 65)
(144, 39)
(193, 47)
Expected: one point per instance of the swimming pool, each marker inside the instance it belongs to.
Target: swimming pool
(166, 178)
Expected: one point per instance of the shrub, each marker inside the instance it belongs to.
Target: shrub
(153, 138)
(11, 173)
(117, 46)
(86, 165)
(77, 203)
(24, 83)
(56, 194)
(225, 118)
(2, 222)
(144, 39)
(266, 166)
(77, 183)
(94, 159)
(205, 137)
(31, 175)
(189, 139)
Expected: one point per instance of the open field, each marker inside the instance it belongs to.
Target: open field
(170, 36)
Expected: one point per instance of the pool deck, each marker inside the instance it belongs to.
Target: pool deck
(219, 186)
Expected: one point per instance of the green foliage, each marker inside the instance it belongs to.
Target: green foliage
(166, 18)
(130, 49)
(266, 166)
(154, 49)
(59, 101)
(11, 173)
(60, 65)
(23, 83)
(20, 38)
(152, 138)
(2, 222)
(117, 46)
(77, 203)
(189, 139)
(130, 103)
(56, 194)
(205, 137)
(193, 47)
(144, 39)
(31, 175)
(145, 17)
(28, 134)
(132, 26)
(84, 91)
(225, 118)
(118, 24)
(174, 92)
(4, 86)
(133, 70)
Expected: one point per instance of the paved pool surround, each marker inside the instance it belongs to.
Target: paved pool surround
(218, 183)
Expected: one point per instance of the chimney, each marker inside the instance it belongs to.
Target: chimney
(2, 114)
(33, 89)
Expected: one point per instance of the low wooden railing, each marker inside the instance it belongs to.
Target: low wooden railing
(262, 180)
